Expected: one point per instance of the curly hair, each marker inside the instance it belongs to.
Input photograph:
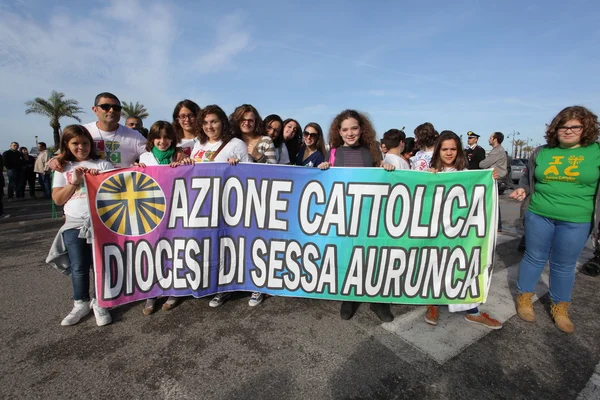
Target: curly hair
(425, 135)
(158, 129)
(460, 162)
(226, 131)
(367, 139)
(194, 108)
(589, 120)
(320, 143)
(270, 118)
(236, 120)
(71, 132)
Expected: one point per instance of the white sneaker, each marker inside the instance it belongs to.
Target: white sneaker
(102, 315)
(80, 309)
(256, 299)
(219, 299)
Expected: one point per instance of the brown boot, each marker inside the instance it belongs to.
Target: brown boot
(525, 306)
(561, 316)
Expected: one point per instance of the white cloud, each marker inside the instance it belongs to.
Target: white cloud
(123, 46)
(230, 41)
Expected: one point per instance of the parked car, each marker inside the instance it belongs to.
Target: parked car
(524, 160)
(518, 168)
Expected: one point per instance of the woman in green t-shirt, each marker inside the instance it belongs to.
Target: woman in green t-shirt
(562, 179)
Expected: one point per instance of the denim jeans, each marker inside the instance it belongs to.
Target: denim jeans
(559, 242)
(44, 180)
(80, 256)
(16, 185)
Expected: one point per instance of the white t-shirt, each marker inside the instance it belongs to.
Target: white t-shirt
(236, 148)
(187, 145)
(121, 147)
(396, 161)
(283, 154)
(77, 206)
(422, 160)
(149, 159)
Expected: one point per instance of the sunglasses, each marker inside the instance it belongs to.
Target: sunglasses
(107, 107)
(311, 135)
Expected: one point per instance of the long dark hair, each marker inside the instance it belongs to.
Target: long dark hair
(270, 118)
(320, 139)
(190, 105)
(293, 144)
(460, 162)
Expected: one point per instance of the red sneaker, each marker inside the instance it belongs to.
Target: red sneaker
(432, 314)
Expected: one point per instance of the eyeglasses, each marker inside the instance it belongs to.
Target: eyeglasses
(270, 128)
(183, 117)
(107, 107)
(248, 121)
(573, 128)
(311, 135)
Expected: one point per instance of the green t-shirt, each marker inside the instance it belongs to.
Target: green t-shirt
(566, 181)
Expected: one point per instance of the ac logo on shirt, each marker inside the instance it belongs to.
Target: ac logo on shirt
(130, 203)
(552, 173)
(112, 155)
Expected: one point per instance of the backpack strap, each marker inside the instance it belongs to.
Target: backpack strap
(212, 157)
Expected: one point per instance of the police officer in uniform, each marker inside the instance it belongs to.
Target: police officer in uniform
(474, 152)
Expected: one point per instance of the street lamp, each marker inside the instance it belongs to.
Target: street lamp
(513, 134)
(36, 142)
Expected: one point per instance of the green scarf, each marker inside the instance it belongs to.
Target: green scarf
(163, 157)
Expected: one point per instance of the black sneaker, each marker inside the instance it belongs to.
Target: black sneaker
(383, 311)
(347, 310)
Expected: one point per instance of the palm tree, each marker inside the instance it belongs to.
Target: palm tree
(518, 143)
(55, 108)
(527, 151)
(131, 110)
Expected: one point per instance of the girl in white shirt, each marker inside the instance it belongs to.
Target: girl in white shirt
(449, 156)
(161, 149)
(77, 157)
(216, 141)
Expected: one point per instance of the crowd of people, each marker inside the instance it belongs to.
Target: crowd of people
(564, 172)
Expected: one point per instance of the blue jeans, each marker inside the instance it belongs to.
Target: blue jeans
(80, 255)
(16, 185)
(45, 183)
(558, 241)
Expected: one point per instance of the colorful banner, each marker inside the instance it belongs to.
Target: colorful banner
(361, 234)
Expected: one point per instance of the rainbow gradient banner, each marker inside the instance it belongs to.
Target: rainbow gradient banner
(359, 234)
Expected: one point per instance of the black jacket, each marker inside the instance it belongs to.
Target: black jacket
(13, 159)
(475, 156)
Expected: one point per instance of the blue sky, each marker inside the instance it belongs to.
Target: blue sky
(462, 65)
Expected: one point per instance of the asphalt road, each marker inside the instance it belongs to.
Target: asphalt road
(285, 348)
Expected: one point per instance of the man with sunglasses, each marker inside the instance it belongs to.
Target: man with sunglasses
(118, 144)
(115, 143)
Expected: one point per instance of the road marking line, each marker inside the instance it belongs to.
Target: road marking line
(592, 388)
(453, 334)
